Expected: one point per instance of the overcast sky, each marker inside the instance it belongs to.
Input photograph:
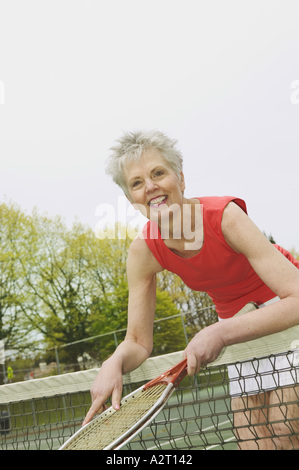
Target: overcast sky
(220, 76)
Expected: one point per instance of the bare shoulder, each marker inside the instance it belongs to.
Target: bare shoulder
(239, 230)
(242, 235)
(140, 260)
(232, 214)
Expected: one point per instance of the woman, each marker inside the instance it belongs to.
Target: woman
(213, 246)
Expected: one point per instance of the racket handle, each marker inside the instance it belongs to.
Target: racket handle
(173, 375)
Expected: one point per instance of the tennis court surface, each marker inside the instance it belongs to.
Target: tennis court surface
(42, 414)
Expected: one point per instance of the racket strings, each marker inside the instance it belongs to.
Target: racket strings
(112, 424)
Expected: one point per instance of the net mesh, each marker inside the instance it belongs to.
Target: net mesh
(201, 414)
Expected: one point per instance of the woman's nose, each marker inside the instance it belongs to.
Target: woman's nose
(150, 186)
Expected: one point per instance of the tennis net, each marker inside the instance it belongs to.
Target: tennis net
(42, 414)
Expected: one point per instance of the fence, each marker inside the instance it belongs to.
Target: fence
(182, 326)
(189, 328)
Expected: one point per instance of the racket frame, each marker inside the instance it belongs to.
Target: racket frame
(128, 435)
(171, 378)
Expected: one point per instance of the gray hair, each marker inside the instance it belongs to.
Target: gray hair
(132, 145)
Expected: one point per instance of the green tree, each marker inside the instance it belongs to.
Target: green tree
(295, 253)
(198, 308)
(59, 286)
(13, 247)
(168, 332)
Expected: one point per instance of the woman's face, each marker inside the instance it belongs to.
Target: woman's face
(153, 184)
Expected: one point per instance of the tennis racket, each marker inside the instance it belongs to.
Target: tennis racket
(112, 429)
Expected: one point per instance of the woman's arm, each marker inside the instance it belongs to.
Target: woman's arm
(281, 276)
(137, 345)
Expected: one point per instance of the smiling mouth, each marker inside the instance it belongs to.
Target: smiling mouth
(157, 201)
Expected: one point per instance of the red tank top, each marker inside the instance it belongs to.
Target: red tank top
(217, 269)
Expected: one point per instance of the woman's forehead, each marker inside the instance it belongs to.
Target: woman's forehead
(148, 160)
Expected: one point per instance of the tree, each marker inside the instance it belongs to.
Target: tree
(295, 253)
(168, 332)
(198, 308)
(60, 287)
(13, 230)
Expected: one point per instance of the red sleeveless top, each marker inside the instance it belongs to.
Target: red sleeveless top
(217, 269)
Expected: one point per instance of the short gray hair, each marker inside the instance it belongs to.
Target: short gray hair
(132, 145)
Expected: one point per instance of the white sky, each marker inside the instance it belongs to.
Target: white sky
(214, 74)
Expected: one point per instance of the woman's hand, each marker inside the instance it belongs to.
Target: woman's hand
(204, 348)
(108, 383)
